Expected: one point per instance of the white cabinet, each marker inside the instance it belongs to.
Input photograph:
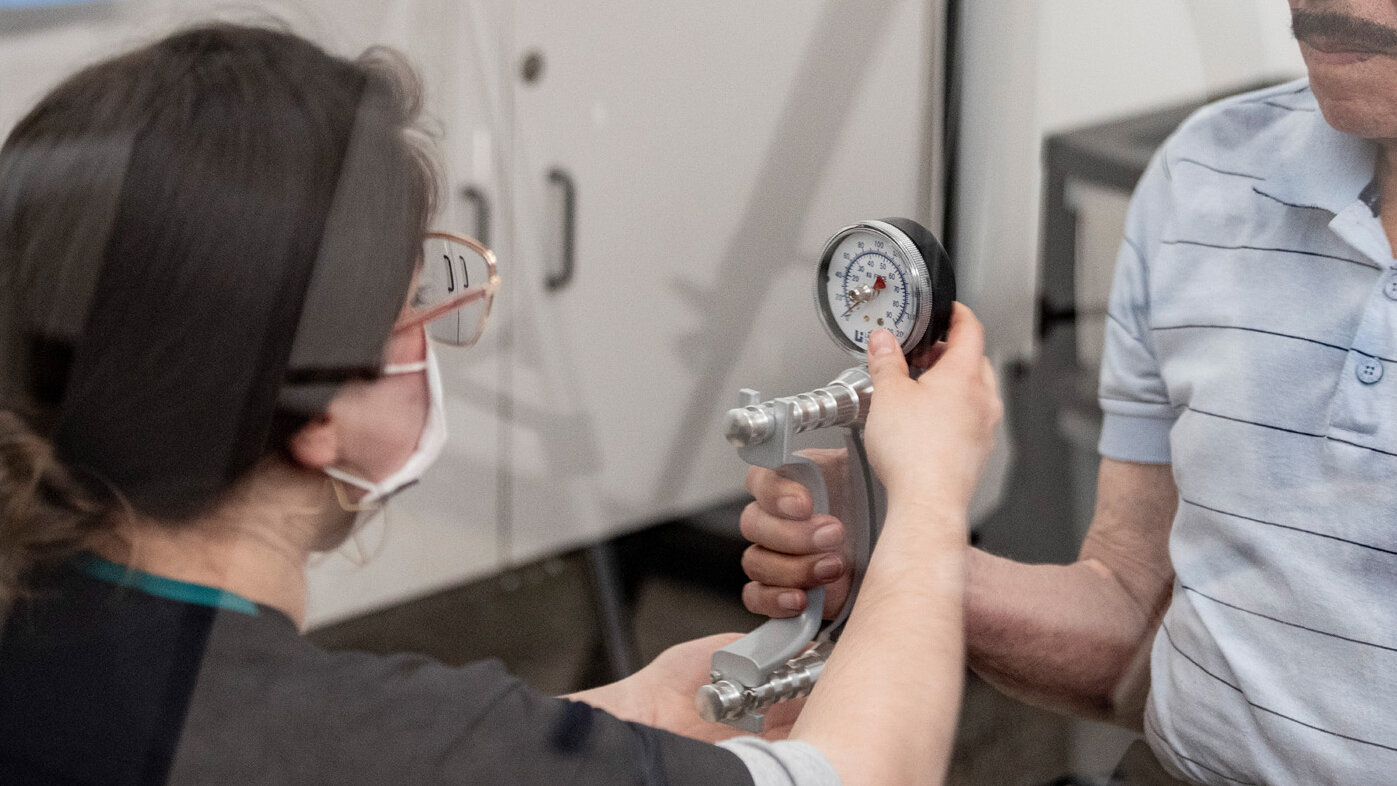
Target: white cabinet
(705, 152)
(712, 148)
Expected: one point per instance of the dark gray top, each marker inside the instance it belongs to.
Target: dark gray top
(104, 683)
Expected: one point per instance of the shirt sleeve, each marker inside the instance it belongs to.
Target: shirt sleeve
(1137, 414)
(785, 763)
(270, 708)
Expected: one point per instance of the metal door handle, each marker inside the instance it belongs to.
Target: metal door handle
(480, 206)
(563, 276)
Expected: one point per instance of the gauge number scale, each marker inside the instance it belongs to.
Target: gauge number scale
(869, 288)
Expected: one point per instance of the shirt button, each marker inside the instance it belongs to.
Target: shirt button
(1389, 287)
(1369, 370)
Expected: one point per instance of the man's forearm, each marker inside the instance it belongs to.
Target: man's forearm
(1077, 637)
(1058, 636)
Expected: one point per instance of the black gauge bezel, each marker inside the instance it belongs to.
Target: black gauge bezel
(931, 278)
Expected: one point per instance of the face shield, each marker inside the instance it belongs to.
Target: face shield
(171, 288)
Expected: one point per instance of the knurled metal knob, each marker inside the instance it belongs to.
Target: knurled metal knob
(719, 701)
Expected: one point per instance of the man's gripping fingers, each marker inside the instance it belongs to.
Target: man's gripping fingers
(814, 535)
(775, 569)
(776, 602)
(779, 496)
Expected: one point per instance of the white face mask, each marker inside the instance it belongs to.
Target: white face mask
(429, 444)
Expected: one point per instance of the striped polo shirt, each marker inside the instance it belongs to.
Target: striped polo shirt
(1252, 343)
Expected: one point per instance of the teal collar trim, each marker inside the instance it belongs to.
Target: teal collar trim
(163, 587)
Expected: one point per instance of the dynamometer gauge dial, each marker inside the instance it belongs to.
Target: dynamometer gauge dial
(889, 274)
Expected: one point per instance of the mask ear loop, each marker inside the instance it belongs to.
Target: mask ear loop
(358, 556)
(380, 522)
(371, 508)
(346, 504)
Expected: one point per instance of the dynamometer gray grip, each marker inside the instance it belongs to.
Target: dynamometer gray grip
(751, 659)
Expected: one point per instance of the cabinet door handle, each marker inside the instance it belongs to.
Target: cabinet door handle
(480, 206)
(560, 179)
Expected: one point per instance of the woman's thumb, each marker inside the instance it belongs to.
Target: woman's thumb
(884, 357)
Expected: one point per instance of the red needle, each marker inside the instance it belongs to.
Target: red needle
(879, 283)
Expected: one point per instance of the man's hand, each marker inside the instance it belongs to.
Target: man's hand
(793, 549)
(662, 694)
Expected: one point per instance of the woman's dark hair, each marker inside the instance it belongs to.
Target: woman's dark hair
(199, 241)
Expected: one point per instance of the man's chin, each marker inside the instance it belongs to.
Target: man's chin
(1361, 121)
(1359, 99)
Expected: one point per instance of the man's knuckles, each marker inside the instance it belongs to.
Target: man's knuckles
(772, 601)
(784, 570)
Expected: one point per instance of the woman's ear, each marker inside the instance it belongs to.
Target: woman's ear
(315, 445)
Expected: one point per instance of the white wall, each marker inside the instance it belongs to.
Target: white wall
(1035, 68)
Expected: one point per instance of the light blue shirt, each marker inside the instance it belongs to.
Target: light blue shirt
(1252, 343)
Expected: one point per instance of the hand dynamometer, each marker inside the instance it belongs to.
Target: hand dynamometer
(891, 274)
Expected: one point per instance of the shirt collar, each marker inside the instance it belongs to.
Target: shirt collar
(161, 586)
(1323, 168)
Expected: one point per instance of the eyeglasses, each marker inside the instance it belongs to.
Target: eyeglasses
(455, 289)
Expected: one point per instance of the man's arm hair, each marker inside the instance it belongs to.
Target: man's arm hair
(1077, 637)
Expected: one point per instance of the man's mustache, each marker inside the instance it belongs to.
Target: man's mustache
(1341, 32)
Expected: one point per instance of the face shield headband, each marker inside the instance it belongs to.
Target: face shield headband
(193, 340)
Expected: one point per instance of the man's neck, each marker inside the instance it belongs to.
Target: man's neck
(1387, 182)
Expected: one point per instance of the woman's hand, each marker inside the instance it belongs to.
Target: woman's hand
(885, 708)
(662, 694)
(928, 438)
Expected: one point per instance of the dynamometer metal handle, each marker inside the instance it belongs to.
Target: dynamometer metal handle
(761, 668)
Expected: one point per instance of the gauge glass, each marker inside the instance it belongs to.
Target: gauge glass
(869, 285)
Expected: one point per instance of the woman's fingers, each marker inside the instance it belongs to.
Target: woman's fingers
(966, 337)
